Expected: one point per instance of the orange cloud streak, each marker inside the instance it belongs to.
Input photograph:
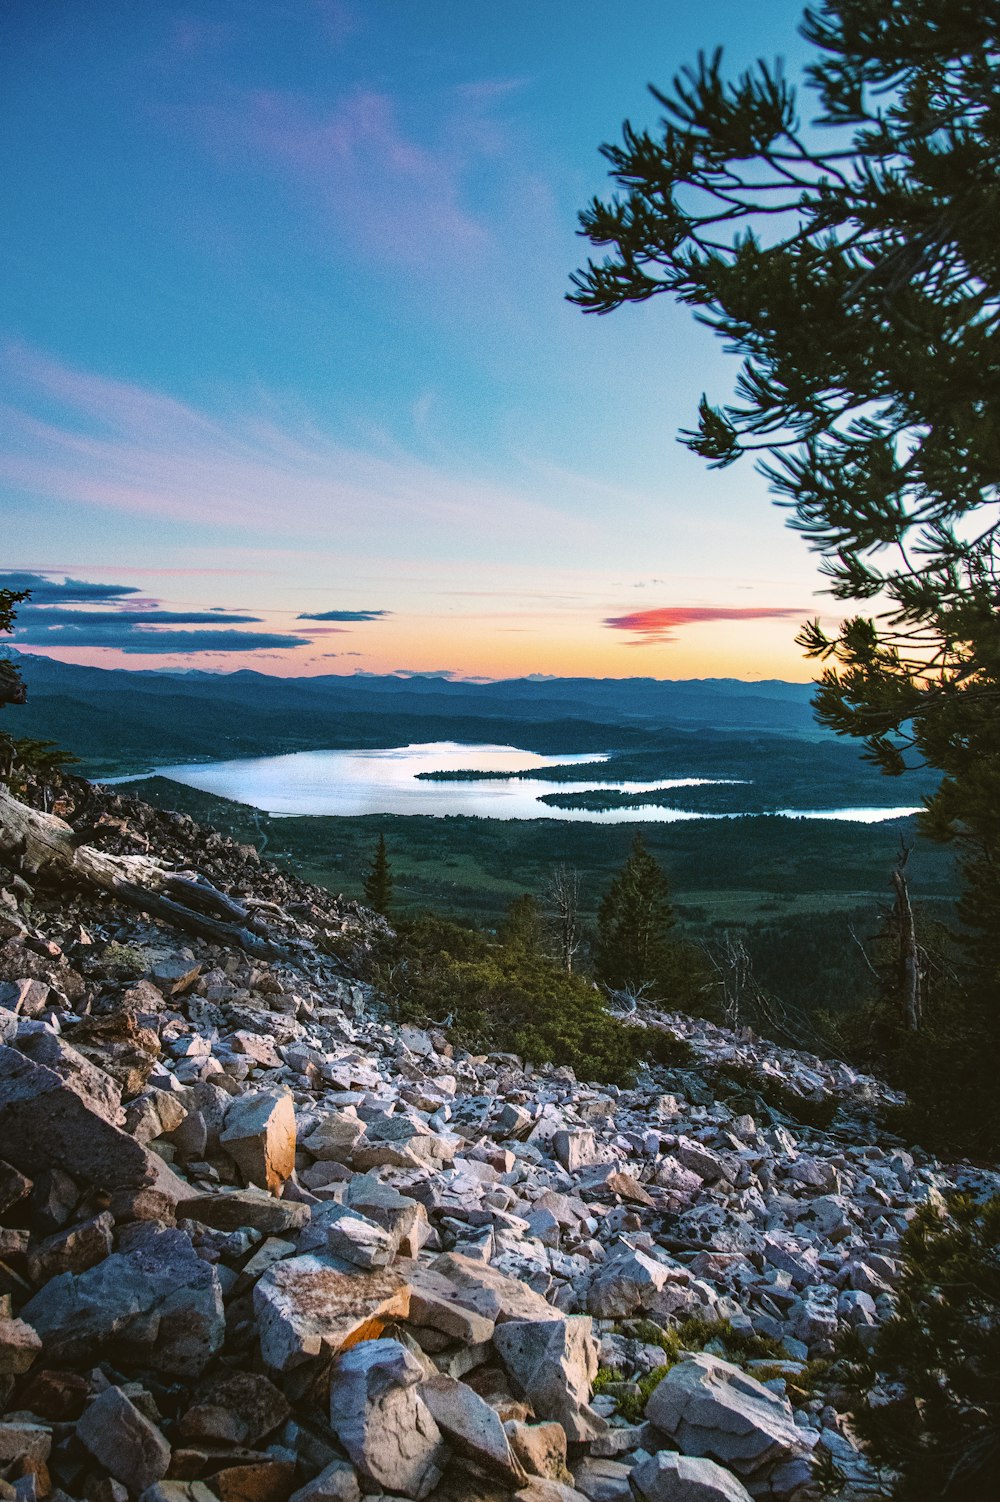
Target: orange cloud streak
(651, 626)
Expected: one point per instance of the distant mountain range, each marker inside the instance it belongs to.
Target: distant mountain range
(130, 720)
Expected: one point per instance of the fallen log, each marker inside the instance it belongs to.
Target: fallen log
(42, 846)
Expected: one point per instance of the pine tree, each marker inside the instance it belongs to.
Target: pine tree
(378, 882)
(940, 1354)
(856, 271)
(634, 946)
(522, 927)
(854, 266)
(12, 690)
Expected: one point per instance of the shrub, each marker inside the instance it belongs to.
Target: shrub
(498, 997)
(124, 961)
(757, 1086)
(941, 1354)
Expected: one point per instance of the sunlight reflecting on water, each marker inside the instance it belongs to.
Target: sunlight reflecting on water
(385, 782)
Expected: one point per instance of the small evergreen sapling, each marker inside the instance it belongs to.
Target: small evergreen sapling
(378, 882)
(634, 948)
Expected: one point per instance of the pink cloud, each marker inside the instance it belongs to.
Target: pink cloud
(652, 626)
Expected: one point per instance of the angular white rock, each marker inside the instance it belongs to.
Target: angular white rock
(669, 1477)
(554, 1363)
(379, 1416)
(259, 1136)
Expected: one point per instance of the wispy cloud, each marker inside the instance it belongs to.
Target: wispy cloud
(141, 641)
(85, 439)
(652, 626)
(57, 615)
(399, 199)
(344, 615)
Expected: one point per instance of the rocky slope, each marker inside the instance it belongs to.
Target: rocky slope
(258, 1242)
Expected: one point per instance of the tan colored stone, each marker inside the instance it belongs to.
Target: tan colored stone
(259, 1136)
(258, 1481)
(19, 1347)
(540, 1449)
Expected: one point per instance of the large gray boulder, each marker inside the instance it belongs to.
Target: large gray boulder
(259, 1136)
(48, 1121)
(153, 1300)
(629, 1280)
(711, 1409)
(358, 1240)
(554, 1363)
(380, 1418)
(470, 1424)
(397, 1213)
(130, 1448)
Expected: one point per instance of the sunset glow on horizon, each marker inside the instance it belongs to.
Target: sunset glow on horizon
(289, 381)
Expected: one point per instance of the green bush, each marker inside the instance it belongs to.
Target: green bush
(124, 961)
(941, 1354)
(756, 1086)
(506, 998)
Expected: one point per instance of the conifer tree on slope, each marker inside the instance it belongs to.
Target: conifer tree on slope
(378, 882)
(634, 922)
(855, 266)
(12, 689)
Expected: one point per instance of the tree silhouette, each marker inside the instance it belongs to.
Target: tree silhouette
(634, 946)
(855, 268)
(378, 881)
(523, 928)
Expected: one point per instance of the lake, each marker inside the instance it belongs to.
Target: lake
(386, 782)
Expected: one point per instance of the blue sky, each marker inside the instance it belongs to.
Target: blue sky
(284, 334)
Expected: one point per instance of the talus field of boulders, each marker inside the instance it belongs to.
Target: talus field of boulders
(259, 1242)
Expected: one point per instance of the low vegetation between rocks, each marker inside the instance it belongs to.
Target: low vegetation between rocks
(262, 1238)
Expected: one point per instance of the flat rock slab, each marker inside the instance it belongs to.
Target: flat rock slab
(604, 1480)
(669, 1477)
(489, 1292)
(308, 1307)
(232, 1209)
(434, 1301)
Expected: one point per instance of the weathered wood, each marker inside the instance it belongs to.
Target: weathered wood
(43, 846)
(907, 952)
